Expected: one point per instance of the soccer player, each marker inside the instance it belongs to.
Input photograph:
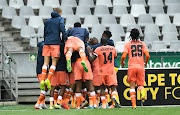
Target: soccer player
(59, 79)
(106, 55)
(136, 73)
(52, 29)
(40, 60)
(75, 42)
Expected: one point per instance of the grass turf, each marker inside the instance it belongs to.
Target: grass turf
(29, 110)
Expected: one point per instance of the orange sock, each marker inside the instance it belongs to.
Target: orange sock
(43, 101)
(65, 93)
(103, 99)
(140, 88)
(84, 92)
(78, 99)
(51, 99)
(51, 72)
(68, 55)
(82, 55)
(59, 100)
(68, 96)
(93, 95)
(82, 98)
(133, 97)
(90, 100)
(55, 96)
(41, 97)
(44, 71)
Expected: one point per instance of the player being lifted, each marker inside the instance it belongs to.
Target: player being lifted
(106, 55)
(136, 73)
(53, 27)
(76, 39)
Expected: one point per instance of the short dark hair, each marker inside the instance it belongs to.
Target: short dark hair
(77, 24)
(108, 33)
(134, 34)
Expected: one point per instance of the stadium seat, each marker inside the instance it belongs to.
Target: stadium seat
(127, 19)
(152, 28)
(96, 35)
(27, 31)
(33, 40)
(159, 46)
(150, 37)
(121, 2)
(41, 31)
(104, 2)
(132, 2)
(16, 3)
(91, 20)
(70, 20)
(176, 19)
(107, 20)
(52, 3)
(174, 46)
(101, 10)
(137, 9)
(35, 4)
(89, 3)
(119, 46)
(168, 37)
(169, 28)
(45, 12)
(154, 10)
(119, 10)
(155, 2)
(117, 29)
(98, 28)
(162, 19)
(171, 2)
(116, 37)
(67, 11)
(8, 12)
(18, 22)
(83, 11)
(26, 11)
(3, 3)
(71, 3)
(173, 9)
(35, 21)
(145, 19)
(130, 27)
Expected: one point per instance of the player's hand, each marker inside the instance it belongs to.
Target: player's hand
(89, 49)
(123, 64)
(70, 28)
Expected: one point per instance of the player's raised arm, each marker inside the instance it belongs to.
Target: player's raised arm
(92, 56)
(123, 59)
(147, 58)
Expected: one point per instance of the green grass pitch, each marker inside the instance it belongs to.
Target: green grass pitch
(29, 110)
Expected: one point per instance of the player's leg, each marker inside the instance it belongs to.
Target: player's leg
(103, 98)
(51, 71)
(98, 94)
(61, 93)
(83, 57)
(78, 93)
(56, 91)
(114, 96)
(44, 71)
(51, 98)
(92, 94)
(68, 58)
(140, 83)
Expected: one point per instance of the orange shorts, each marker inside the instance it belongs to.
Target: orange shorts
(71, 75)
(59, 78)
(97, 79)
(73, 42)
(51, 50)
(39, 76)
(109, 80)
(79, 72)
(136, 75)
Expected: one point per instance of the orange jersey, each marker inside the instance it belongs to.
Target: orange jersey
(135, 50)
(106, 55)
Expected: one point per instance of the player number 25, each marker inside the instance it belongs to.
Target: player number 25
(137, 48)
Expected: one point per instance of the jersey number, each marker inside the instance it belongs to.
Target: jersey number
(137, 48)
(109, 57)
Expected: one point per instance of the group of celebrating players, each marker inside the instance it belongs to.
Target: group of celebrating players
(78, 67)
